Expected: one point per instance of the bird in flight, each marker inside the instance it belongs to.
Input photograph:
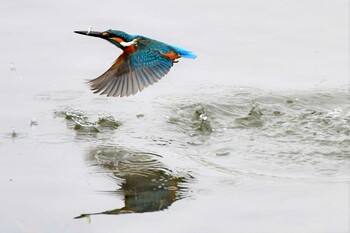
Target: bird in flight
(143, 62)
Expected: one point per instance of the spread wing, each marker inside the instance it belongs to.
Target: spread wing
(132, 73)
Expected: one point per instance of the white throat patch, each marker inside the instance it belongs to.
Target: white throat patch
(127, 44)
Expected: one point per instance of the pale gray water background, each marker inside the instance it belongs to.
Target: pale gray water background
(253, 136)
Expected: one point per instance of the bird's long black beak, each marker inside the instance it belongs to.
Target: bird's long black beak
(92, 33)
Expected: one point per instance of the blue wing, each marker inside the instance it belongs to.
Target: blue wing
(132, 73)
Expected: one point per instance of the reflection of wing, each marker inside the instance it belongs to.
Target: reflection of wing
(132, 73)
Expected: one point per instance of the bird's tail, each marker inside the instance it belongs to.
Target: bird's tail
(184, 53)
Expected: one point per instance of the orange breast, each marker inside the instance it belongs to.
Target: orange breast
(130, 49)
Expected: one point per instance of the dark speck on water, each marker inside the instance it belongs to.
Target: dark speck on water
(14, 134)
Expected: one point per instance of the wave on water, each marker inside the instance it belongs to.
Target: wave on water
(301, 133)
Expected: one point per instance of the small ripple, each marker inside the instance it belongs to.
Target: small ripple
(59, 95)
(14, 134)
(327, 172)
(54, 138)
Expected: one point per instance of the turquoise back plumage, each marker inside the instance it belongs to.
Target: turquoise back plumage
(165, 48)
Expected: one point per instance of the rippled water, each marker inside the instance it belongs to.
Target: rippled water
(285, 135)
(222, 146)
(260, 132)
(252, 136)
(220, 141)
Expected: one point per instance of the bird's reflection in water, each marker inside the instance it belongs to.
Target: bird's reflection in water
(146, 184)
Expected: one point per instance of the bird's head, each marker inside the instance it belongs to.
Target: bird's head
(118, 38)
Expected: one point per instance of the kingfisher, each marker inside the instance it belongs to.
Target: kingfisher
(144, 61)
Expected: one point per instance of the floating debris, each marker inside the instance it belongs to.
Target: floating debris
(140, 115)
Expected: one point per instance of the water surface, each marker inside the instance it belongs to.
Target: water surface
(253, 136)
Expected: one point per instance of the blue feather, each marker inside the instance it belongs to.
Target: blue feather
(183, 52)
